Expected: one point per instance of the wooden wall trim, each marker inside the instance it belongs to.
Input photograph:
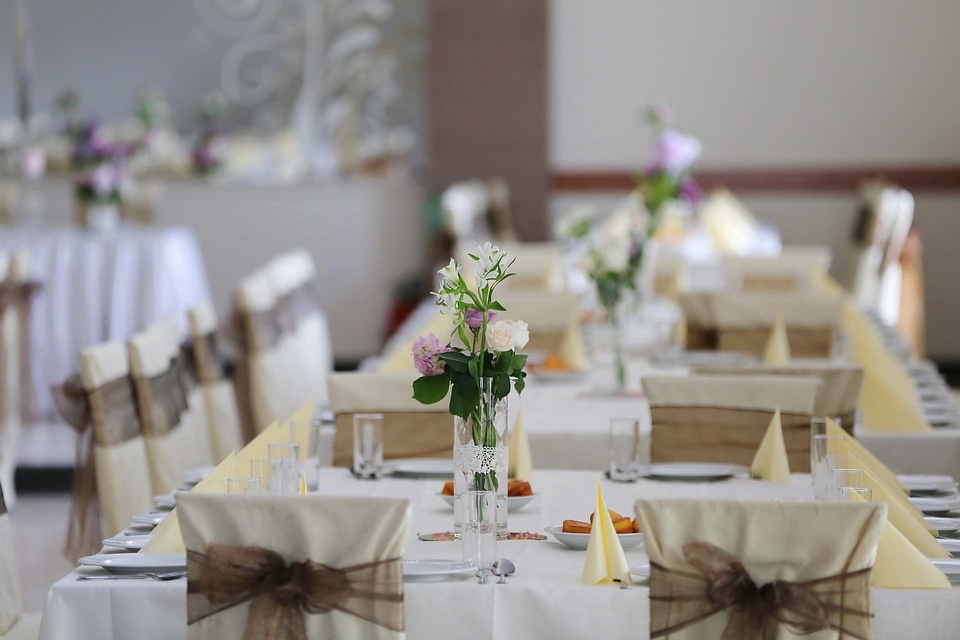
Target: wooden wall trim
(797, 179)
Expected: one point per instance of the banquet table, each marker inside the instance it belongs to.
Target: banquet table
(544, 599)
(102, 286)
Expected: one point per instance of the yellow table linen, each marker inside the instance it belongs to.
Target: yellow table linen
(770, 463)
(520, 464)
(889, 401)
(899, 565)
(166, 535)
(605, 561)
(776, 353)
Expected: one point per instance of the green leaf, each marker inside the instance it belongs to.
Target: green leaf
(519, 361)
(465, 386)
(496, 306)
(503, 386)
(460, 406)
(431, 389)
(455, 356)
(519, 384)
(502, 363)
(474, 368)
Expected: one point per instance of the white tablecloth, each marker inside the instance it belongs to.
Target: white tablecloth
(545, 598)
(99, 287)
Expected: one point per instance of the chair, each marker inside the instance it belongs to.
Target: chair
(219, 396)
(171, 408)
(839, 392)
(772, 567)
(742, 321)
(269, 376)
(112, 474)
(724, 418)
(10, 421)
(294, 279)
(911, 318)
(334, 567)
(794, 269)
(410, 429)
(14, 623)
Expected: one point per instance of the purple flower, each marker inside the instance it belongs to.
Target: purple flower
(426, 355)
(690, 190)
(676, 152)
(473, 318)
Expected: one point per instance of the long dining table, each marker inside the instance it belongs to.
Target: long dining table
(544, 599)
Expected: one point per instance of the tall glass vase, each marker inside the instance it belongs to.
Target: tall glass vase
(605, 340)
(480, 456)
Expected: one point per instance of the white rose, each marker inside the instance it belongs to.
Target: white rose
(504, 335)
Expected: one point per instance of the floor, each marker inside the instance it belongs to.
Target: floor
(40, 527)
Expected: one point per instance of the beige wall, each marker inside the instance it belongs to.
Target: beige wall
(771, 83)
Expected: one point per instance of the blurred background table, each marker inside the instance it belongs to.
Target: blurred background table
(97, 287)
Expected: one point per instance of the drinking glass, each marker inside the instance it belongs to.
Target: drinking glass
(249, 486)
(865, 493)
(625, 449)
(479, 535)
(307, 435)
(843, 478)
(285, 467)
(821, 447)
(368, 445)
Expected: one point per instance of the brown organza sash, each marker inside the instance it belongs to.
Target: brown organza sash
(754, 282)
(804, 342)
(3, 505)
(723, 434)
(406, 434)
(162, 400)
(206, 355)
(20, 295)
(189, 371)
(701, 338)
(281, 595)
(111, 410)
(681, 599)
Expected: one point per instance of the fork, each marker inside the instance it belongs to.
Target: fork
(171, 575)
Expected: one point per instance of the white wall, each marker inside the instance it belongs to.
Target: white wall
(771, 83)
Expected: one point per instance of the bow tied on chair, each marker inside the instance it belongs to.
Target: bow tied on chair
(722, 583)
(280, 595)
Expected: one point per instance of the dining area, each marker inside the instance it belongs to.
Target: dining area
(439, 320)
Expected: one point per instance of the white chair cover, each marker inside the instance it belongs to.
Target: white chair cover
(10, 421)
(120, 454)
(219, 397)
(174, 433)
(293, 276)
(353, 543)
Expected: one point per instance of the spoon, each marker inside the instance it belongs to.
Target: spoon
(172, 575)
(503, 568)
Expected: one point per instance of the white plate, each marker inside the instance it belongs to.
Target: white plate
(514, 503)
(928, 483)
(196, 475)
(642, 571)
(943, 525)
(950, 544)
(930, 504)
(137, 562)
(949, 566)
(558, 377)
(130, 543)
(421, 468)
(166, 500)
(579, 541)
(427, 570)
(691, 471)
(152, 518)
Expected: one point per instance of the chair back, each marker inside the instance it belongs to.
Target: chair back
(706, 580)
(724, 418)
(343, 555)
(11, 604)
(170, 406)
(794, 269)
(410, 429)
(219, 396)
(839, 392)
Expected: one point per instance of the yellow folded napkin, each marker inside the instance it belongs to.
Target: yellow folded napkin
(520, 464)
(605, 561)
(776, 353)
(899, 565)
(847, 444)
(572, 350)
(166, 535)
(770, 462)
(889, 401)
(904, 518)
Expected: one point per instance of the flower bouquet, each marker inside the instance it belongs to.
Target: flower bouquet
(477, 373)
